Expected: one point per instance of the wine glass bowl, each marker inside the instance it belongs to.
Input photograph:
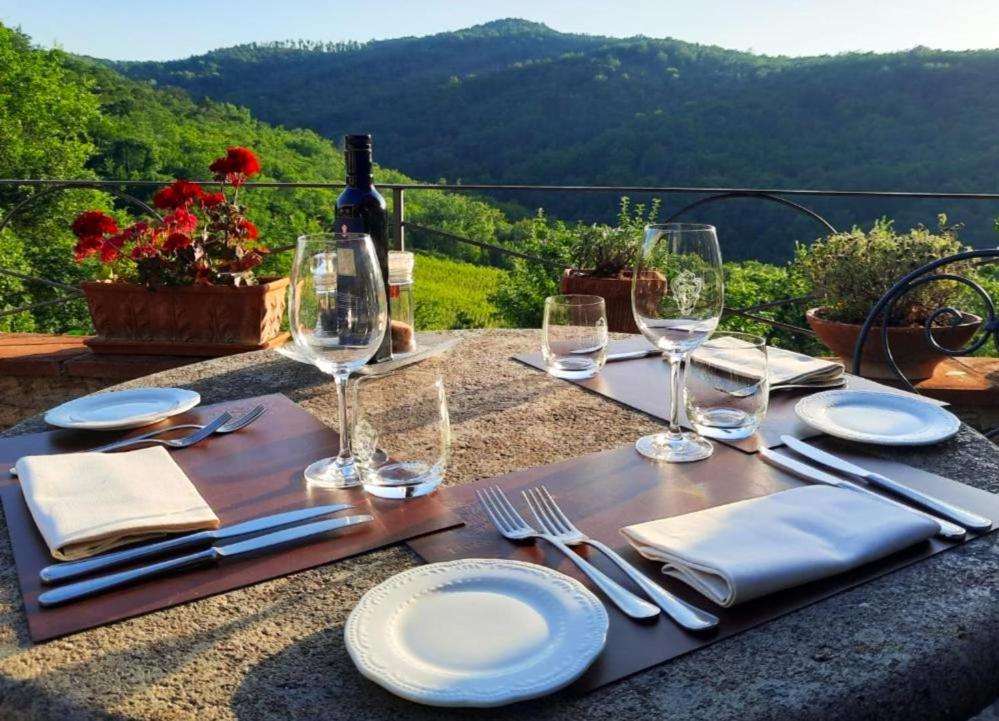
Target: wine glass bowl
(677, 296)
(338, 316)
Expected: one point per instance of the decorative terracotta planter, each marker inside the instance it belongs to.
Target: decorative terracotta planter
(915, 357)
(616, 293)
(196, 321)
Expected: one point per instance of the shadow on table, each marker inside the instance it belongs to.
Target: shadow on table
(119, 674)
(315, 678)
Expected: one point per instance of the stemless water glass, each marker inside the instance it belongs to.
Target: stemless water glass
(725, 388)
(402, 434)
(677, 295)
(338, 316)
(574, 336)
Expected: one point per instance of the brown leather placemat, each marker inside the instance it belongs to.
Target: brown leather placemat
(254, 472)
(642, 384)
(605, 491)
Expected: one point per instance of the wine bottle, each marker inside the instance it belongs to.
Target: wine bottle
(361, 209)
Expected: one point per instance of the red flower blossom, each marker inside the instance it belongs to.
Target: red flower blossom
(249, 228)
(145, 250)
(249, 261)
(93, 224)
(181, 220)
(210, 200)
(86, 246)
(179, 194)
(111, 249)
(236, 166)
(176, 241)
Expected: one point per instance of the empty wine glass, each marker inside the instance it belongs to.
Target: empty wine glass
(677, 295)
(338, 315)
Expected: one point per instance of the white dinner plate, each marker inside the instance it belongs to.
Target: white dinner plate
(886, 419)
(476, 632)
(122, 409)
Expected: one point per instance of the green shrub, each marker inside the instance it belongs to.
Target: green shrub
(452, 294)
(850, 272)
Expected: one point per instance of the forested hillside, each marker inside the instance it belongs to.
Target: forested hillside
(517, 102)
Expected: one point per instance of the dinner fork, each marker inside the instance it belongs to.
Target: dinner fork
(185, 442)
(551, 518)
(234, 425)
(512, 526)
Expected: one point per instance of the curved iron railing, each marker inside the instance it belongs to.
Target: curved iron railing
(925, 275)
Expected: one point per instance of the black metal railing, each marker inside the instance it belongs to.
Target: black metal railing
(710, 195)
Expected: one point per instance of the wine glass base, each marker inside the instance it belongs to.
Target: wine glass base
(685, 448)
(401, 480)
(333, 473)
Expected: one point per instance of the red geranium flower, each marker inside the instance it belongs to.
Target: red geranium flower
(236, 166)
(86, 246)
(181, 220)
(93, 224)
(146, 250)
(176, 241)
(210, 200)
(249, 228)
(179, 194)
(111, 249)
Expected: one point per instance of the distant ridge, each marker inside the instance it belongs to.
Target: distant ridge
(513, 101)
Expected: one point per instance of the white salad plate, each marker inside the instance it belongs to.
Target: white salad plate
(886, 419)
(116, 410)
(476, 632)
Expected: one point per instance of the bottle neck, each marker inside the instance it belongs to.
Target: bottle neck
(359, 171)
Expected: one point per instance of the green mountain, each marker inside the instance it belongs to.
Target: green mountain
(517, 102)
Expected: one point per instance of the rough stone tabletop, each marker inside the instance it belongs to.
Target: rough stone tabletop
(921, 643)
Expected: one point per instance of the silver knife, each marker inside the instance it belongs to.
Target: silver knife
(214, 554)
(632, 354)
(947, 510)
(60, 572)
(947, 529)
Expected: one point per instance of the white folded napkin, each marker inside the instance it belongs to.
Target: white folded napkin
(783, 366)
(86, 503)
(744, 550)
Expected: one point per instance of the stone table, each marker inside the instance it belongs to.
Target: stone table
(921, 643)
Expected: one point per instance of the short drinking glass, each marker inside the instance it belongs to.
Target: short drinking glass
(574, 345)
(338, 315)
(402, 434)
(725, 385)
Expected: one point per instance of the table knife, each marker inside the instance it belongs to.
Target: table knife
(214, 554)
(60, 572)
(948, 530)
(947, 510)
(632, 354)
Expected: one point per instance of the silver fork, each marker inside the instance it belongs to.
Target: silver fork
(512, 526)
(551, 518)
(234, 425)
(185, 442)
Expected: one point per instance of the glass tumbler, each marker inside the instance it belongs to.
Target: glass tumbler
(725, 385)
(574, 344)
(402, 434)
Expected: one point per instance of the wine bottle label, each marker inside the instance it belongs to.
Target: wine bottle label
(345, 261)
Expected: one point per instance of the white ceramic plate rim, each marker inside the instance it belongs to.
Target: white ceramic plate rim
(944, 424)
(376, 662)
(179, 400)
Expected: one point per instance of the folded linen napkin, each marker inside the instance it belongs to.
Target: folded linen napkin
(744, 550)
(86, 503)
(783, 366)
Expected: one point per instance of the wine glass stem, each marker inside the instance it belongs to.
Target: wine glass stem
(341, 380)
(673, 431)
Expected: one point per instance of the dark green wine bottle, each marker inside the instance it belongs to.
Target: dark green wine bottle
(361, 209)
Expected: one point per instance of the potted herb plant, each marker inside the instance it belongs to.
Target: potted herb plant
(183, 284)
(850, 272)
(602, 261)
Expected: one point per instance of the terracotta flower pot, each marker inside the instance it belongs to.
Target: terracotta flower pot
(615, 291)
(915, 357)
(198, 321)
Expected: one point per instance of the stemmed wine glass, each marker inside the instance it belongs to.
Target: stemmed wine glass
(677, 294)
(338, 315)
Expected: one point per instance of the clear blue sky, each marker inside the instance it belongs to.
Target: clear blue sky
(145, 30)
